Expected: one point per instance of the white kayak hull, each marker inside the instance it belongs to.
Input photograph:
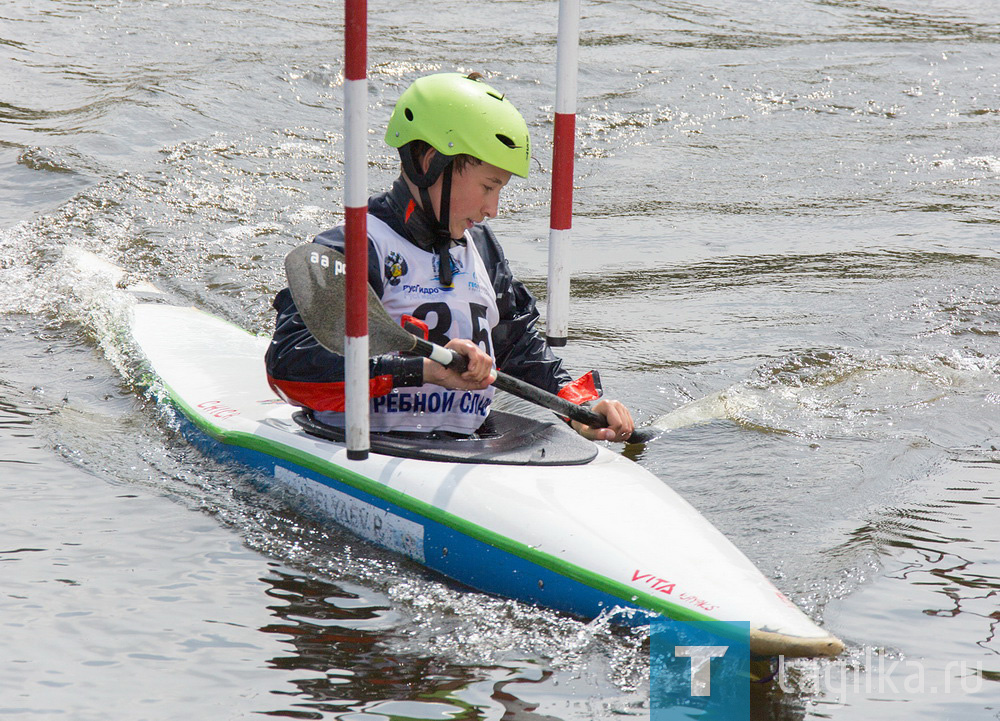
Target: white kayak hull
(583, 539)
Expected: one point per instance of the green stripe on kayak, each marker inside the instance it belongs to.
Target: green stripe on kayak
(362, 483)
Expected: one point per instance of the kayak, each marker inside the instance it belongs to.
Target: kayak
(526, 510)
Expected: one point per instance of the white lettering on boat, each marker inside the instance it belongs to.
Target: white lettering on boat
(216, 409)
(363, 519)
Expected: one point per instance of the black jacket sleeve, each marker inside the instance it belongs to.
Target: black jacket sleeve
(305, 373)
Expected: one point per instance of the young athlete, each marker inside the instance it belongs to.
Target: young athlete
(436, 264)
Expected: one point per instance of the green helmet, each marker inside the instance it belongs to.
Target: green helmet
(459, 114)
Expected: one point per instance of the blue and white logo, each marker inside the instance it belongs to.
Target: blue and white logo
(456, 268)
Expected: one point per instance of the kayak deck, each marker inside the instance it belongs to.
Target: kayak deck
(506, 439)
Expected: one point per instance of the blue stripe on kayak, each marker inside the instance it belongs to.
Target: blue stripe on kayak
(467, 560)
(229, 442)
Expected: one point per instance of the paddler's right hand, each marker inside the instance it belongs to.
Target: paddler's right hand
(477, 376)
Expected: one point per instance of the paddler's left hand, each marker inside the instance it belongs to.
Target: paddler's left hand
(620, 423)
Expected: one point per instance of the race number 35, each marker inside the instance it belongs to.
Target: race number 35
(438, 332)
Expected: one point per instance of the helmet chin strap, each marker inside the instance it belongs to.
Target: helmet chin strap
(444, 230)
(441, 166)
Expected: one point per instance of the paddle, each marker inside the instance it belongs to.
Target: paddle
(316, 278)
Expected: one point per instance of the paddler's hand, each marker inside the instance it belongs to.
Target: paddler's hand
(620, 423)
(477, 376)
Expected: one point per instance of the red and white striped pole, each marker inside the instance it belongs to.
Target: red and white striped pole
(356, 227)
(564, 146)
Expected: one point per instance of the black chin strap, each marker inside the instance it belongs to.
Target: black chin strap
(444, 231)
(441, 166)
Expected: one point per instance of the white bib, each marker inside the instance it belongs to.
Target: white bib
(466, 310)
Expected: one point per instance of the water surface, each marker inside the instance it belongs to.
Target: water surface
(786, 208)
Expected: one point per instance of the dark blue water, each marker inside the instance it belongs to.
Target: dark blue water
(786, 208)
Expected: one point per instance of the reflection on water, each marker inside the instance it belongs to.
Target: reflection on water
(339, 637)
(932, 552)
(930, 544)
(359, 648)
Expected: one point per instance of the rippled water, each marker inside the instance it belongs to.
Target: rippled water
(785, 212)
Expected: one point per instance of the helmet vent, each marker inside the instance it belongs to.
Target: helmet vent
(506, 141)
(408, 113)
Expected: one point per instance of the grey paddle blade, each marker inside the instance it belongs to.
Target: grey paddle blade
(317, 278)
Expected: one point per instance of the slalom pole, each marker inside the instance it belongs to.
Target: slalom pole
(356, 227)
(564, 142)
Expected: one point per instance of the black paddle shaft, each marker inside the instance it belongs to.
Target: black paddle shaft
(517, 387)
(317, 278)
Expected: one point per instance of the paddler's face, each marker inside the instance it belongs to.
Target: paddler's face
(475, 196)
